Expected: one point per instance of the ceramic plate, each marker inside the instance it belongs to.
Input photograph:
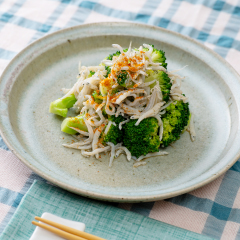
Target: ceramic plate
(36, 75)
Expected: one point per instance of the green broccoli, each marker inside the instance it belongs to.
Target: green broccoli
(174, 121)
(91, 74)
(108, 71)
(141, 139)
(97, 97)
(76, 122)
(110, 56)
(158, 56)
(114, 134)
(124, 80)
(114, 91)
(122, 77)
(164, 82)
(61, 105)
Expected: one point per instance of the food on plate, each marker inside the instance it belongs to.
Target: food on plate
(128, 104)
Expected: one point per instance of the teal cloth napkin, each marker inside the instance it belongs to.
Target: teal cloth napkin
(101, 219)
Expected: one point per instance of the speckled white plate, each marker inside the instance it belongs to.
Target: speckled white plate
(35, 76)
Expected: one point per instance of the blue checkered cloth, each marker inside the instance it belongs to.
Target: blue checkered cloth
(213, 210)
(101, 219)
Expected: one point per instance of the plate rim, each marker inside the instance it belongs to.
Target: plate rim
(102, 196)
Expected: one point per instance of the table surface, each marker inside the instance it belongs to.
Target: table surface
(213, 210)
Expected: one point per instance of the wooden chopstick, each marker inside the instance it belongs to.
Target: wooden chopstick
(60, 233)
(70, 230)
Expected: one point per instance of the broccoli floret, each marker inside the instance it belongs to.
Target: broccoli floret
(114, 91)
(159, 56)
(110, 56)
(141, 139)
(108, 71)
(124, 80)
(76, 122)
(91, 74)
(114, 134)
(174, 121)
(97, 97)
(164, 82)
(61, 105)
(122, 77)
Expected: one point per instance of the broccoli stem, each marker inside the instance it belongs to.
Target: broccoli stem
(61, 105)
(76, 122)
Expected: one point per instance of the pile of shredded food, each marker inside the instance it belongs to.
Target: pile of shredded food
(129, 104)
